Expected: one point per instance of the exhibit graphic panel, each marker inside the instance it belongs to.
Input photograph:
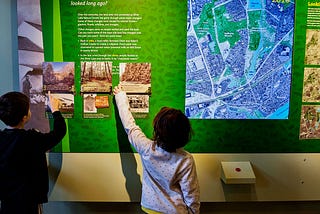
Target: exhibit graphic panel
(243, 71)
(31, 56)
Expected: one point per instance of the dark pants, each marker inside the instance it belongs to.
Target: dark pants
(12, 207)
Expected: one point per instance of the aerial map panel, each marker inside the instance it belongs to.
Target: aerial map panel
(239, 59)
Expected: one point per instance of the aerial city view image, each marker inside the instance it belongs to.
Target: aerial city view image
(239, 59)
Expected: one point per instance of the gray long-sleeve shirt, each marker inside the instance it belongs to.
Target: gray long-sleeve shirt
(169, 183)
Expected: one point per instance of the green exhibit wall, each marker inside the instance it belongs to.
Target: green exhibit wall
(163, 44)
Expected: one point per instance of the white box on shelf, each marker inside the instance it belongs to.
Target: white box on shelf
(239, 172)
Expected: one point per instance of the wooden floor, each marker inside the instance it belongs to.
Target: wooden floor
(305, 207)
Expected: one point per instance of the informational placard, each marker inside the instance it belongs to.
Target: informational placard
(245, 72)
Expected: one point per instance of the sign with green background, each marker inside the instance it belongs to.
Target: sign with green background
(155, 32)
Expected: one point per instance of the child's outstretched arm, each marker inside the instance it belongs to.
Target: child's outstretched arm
(122, 102)
(48, 140)
(135, 135)
(54, 103)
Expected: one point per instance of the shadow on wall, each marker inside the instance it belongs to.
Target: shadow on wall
(239, 192)
(128, 161)
(54, 168)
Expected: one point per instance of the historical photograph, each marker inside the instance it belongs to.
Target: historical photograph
(139, 103)
(96, 106)
(89, 103)
(135, 77)
(67, 104)
(58, 76)
(96, 77)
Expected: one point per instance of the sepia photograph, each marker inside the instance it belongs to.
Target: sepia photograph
(135, 77)
(139, 103)
(96, 106)
(67, 105)
(89, 103)
(96, 77)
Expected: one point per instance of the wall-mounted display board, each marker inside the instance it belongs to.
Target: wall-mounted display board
(245, 72)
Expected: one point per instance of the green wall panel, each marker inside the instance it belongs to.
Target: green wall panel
(163, 44)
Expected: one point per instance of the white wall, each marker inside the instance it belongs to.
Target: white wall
(103, 177)
(8, 43)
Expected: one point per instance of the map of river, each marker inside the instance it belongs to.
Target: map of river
(239, 59)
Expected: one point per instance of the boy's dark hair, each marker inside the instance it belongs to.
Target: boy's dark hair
(171, 129)
(13, 107)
